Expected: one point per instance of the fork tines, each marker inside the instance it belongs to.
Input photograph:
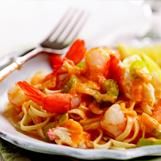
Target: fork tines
(67, 28)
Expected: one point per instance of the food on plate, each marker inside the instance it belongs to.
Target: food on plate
(93, 98)
(153, 51)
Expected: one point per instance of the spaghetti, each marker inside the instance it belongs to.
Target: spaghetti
(92, 99)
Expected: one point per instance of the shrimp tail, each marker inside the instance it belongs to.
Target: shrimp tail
(33, 93)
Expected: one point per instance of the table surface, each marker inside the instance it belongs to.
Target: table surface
(25, 23)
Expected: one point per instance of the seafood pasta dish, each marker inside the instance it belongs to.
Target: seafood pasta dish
(93, 98)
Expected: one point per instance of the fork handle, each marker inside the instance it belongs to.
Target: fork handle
(18, 62)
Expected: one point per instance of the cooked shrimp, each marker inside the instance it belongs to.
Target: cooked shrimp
(96, 60)
(114, 121)
(70, 133)
(56, 103)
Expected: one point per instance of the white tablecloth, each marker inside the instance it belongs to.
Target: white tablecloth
(25, 23)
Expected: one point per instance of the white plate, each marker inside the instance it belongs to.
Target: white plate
(10, 134)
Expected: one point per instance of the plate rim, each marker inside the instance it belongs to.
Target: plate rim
(88, 154)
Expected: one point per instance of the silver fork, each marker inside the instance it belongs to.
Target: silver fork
(63, 34)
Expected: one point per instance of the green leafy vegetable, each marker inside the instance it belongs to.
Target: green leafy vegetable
(73, 81)
(11, 153)
(148, 141)
(110, 87)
